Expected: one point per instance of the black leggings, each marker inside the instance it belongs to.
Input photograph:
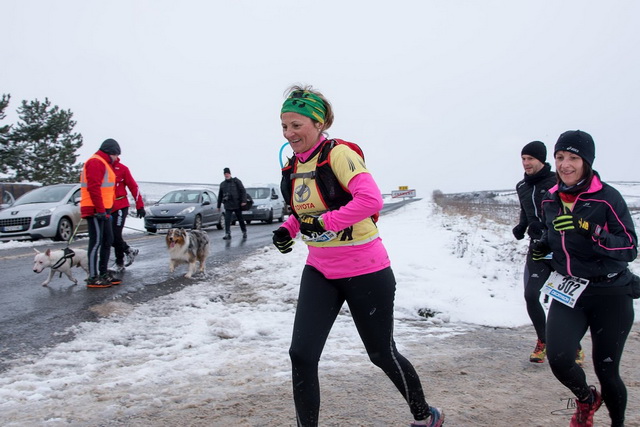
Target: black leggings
(370, 299)
(610, 318)
(100, 239)
(536, 274)
(117, 221)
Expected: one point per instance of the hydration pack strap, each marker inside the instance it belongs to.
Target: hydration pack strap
(311, 175)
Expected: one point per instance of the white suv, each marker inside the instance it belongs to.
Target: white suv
(268, 204)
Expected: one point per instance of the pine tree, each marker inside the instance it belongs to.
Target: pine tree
(45, 143)
(5, 155)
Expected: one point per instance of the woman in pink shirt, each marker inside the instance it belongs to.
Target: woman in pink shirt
(335, 203)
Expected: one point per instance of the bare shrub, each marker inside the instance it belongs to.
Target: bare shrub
(478, 204)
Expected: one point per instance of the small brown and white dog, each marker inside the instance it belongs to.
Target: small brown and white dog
(187, 247)
(61, 260)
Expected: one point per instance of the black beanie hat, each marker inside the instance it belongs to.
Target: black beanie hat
(227, 170)
(535, 149)
(110, 146)
(578, 142)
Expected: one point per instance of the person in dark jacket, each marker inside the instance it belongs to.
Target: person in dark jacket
(592, 237)
(538, 178)
(234, 197)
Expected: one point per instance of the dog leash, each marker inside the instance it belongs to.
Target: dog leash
(142, 231)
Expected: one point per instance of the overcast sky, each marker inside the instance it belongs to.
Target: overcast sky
(440, 94)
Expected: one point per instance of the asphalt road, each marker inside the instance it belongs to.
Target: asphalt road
(33, 317)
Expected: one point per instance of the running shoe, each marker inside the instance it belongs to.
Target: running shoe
(98, 282)
(583, 417)
(436, 419)
(580, 357)
(539, 353)
(118, 267)
(111, 278)
(131, 255)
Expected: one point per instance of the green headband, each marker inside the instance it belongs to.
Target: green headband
(305, 103)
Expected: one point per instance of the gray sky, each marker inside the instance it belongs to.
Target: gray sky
(440, 94)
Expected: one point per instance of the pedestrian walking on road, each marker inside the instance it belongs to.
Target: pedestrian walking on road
(120, 211)
(234, 196)
(98, 181)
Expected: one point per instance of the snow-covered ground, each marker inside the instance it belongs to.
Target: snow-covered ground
(233, 326)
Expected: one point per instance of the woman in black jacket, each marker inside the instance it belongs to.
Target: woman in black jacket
(590, 231)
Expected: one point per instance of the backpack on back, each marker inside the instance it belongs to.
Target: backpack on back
(333, 194)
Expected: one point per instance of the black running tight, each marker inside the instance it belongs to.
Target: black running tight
(536, 274)
(610, 318)
(370, 299)
(100, 239)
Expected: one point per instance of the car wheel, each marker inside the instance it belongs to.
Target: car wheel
(197, 224)
(248, 221)
(64, 230)
(151, 230)
(219, 224)
(270, 219)
(281, 219)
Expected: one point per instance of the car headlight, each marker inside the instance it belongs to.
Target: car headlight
(261, 207)
(187, 210)
(45, 212)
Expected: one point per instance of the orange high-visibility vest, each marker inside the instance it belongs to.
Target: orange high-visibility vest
(108, 186)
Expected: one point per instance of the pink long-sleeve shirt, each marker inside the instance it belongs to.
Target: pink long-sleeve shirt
(347, 261)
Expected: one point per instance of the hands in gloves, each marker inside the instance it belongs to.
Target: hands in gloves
(140, 213)
(539, 250)
(518, 231)
(569, 222)
(282, 240)
(535, 230)
(311, 224)
(101, 216)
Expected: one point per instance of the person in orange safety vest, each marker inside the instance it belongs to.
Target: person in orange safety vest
(98, 182)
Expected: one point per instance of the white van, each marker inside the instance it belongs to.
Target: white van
(268, 204)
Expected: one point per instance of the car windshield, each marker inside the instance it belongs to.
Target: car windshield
(258, 192)
(51, 194)
(181, 196)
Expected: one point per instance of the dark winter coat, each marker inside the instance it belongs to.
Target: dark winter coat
(604, 259)
(531, 190)
(232, 194)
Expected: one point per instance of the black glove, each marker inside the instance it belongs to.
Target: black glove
(140, 213)
(539, 250)
(569, 222)
(535, 230)
(101, 216)
(518, 231)
(282, 240)
(311, 224)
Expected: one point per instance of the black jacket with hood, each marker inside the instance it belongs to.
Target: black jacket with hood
(602, 259)
(531, 190)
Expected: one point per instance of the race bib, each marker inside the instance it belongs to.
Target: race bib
(324, 237)
(565, 289)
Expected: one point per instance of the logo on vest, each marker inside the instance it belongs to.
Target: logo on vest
(302, 193)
